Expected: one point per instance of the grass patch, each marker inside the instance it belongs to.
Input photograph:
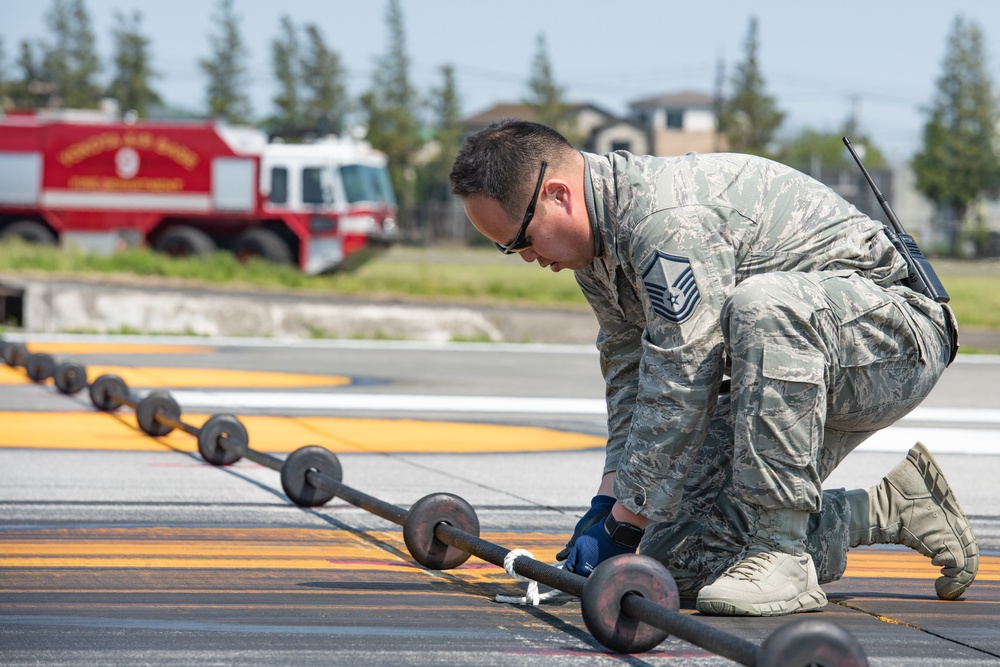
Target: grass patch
(974, 288)
(442, 274)
(459, 274)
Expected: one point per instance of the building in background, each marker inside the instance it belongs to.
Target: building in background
(668, 124)
(676, 123)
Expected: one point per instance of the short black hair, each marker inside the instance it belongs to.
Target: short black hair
(503, 161)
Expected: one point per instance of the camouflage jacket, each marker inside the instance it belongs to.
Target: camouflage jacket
(674, 236)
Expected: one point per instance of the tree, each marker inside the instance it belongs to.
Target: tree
(4, 99)
(750, 116)
(70, 63)
(958, 162)
(312, 97)
(286, 66)
(326, 106)
(390, 108)
(546, 97)
(31, 90)
(130, 84)
(812, 150)
(226, 69)
(447, 135)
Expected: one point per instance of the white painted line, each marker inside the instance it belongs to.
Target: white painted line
(486, 404)
(922, 424)
(967, 416)
(899, 439)
(389, 402)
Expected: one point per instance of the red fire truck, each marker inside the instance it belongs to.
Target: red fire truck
(188, 188)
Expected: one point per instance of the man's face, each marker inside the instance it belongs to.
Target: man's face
(559, 233)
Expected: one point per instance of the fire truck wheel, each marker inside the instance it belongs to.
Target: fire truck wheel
(263, 243)
(184, 241)
(29, 231)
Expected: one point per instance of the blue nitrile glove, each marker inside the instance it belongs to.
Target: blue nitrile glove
(593, 548)
(600, 508)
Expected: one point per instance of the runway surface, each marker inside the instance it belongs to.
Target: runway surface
(118, 548)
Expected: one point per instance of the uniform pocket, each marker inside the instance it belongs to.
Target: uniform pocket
(792, 405)
(874, 325)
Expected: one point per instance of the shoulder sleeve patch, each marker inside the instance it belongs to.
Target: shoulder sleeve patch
(671, 287)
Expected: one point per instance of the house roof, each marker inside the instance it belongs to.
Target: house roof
(499, 112)
(684, 99)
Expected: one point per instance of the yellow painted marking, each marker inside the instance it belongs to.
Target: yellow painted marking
(10, 375)
(103, 590)
(178, 378)
(95, 430)
(321, 549)
(180, 548)
(243, 563)
(894, 564)
(68, 348)
(61, 430)
(202, 378)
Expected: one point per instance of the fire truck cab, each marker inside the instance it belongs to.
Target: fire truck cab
(190, 188)
(339, 188)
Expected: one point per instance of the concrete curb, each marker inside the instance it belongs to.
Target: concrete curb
(60, 305)
(54, 305)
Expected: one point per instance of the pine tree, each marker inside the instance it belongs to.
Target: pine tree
(811, 149)
(448, 132)
(958, 162)
(31, 91)
(5, 101)
(285, 63)
(326, 105)
(391, 108)
(546, 97)
(70, 62)
(130, 85)
(750, 116)
(227, 70)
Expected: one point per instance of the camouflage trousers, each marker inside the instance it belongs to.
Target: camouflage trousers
(819, 362)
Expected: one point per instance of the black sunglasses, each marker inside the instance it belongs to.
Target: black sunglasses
(520, 242)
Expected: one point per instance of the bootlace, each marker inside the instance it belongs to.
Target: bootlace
(752, 565)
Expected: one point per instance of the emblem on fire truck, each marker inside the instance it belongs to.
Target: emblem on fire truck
(126, 163)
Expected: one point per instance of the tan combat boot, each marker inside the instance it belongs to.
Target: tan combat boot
(913, 505)
(775, 577)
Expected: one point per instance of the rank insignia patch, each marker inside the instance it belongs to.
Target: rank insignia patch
(671, 287)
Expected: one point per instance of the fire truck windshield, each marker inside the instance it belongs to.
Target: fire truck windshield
(364, 183)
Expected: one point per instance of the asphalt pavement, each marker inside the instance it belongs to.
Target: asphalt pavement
(119, 548)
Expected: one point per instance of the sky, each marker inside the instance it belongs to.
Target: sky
(879, 59)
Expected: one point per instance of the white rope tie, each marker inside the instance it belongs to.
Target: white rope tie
(531, 597)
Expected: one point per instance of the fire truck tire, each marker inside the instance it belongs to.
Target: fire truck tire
(184, 241)
(30, 232)
(263, 243)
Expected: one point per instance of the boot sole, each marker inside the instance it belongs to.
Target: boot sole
(811, 600)
(947, 588)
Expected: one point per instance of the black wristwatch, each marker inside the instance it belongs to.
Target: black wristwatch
(623, 533)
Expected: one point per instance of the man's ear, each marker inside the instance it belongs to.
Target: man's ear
(560, 192)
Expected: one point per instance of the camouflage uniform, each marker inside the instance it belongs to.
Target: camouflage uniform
(714, 265)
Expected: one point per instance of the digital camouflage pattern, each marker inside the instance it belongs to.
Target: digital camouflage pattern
(714, 265)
